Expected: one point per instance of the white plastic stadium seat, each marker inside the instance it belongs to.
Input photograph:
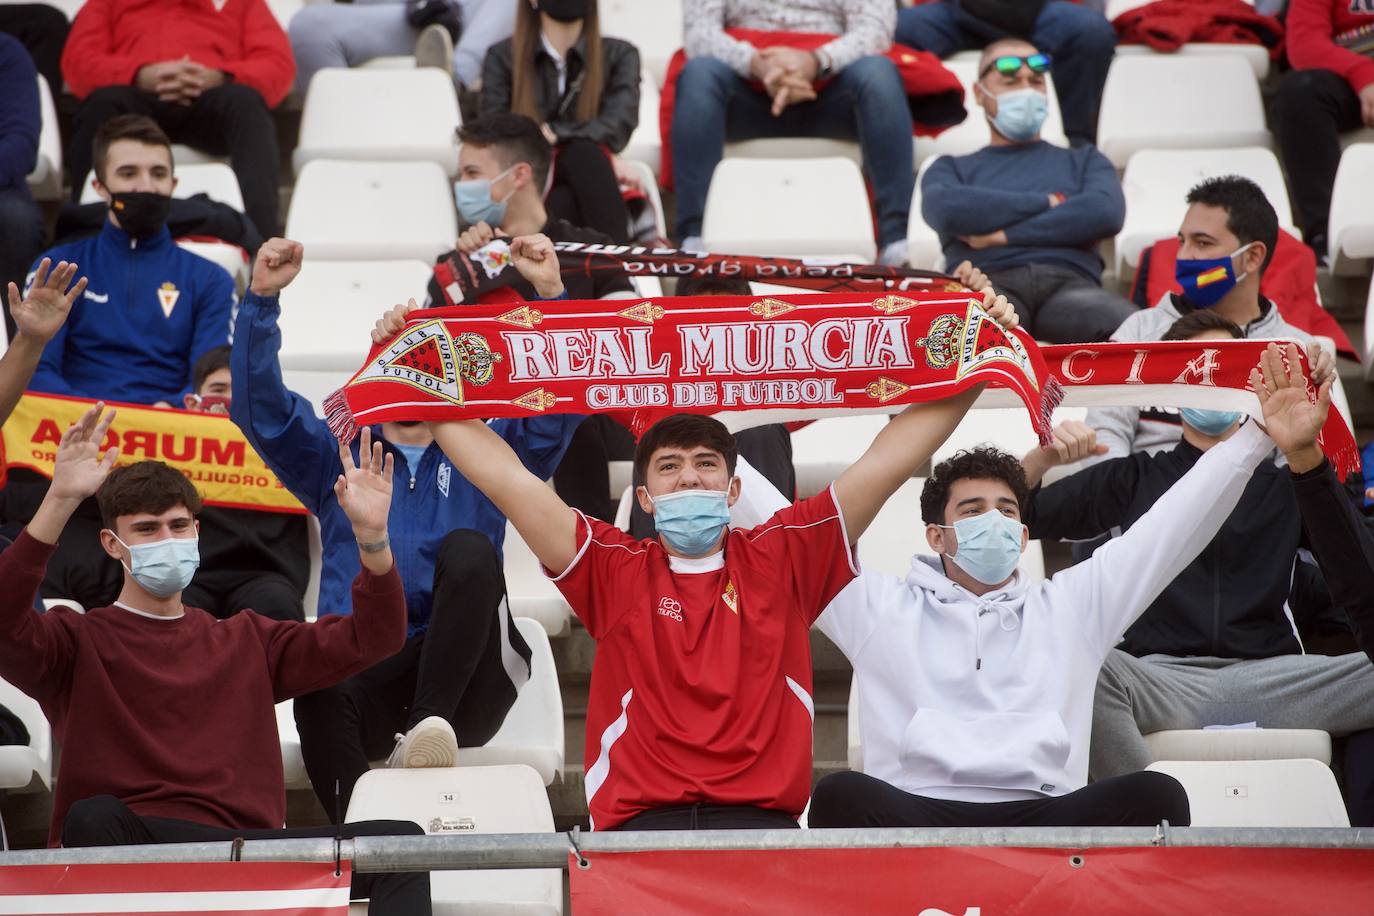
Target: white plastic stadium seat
(315, 385)
(795, 148)
(623, 507)
(310, 602)
(462, 801)
(923, 249)
(530, 592)
(284, 10)
(652, 26)
(1259, 793)
(1369, 333)
(1240, 744)
(1350, 231)
(1153, 102)
(856, 746)
(533, 731)
(373, 211)
(646, 142)
(1256, 56)
(1007, 428)
(327, 312)
(292, 764)
(215, 180)
(26, 767)
(648, 181)
(898, 533)
(380, 115)
(1157, 182)
(45, 181)
(789, 207)
(973, 133)
(823, 450)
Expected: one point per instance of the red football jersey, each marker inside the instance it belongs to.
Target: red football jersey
(701, 688)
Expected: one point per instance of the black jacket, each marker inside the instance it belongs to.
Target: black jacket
(1230, 601)
(1343, 546)
(619, 114)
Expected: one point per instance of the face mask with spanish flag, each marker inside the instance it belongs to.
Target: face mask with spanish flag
(1206, 281)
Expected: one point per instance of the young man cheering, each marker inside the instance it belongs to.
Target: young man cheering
(165, 715)
(700, 712)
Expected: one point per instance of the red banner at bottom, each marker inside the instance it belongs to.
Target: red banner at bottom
(978, 881)
(188, 889)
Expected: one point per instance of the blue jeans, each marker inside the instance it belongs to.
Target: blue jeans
(23, 236)
(864, 101)
(1080, 40)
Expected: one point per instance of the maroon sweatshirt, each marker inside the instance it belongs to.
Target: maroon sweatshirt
(174, 716)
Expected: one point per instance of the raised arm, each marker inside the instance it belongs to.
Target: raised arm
(38, 316)
(905, 444)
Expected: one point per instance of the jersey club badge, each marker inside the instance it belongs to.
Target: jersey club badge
(167, 295)
(731, 597)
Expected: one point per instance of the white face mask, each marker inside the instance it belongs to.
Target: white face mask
(163, 567)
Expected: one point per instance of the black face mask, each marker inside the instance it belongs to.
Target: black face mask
(142, 214)
(565, 10)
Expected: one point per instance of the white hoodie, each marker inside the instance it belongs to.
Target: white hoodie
(990, 698)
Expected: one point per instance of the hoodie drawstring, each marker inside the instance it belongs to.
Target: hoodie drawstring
(1004, 615)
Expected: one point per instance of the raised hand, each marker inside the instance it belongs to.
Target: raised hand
(1072, 442)
(364, 489)
(278, 262)
(391, 322)
(41, 313)
(1291, 419)
(999, 309)
(535, 258)
(79, 470)
(971, 276)
(474, 237)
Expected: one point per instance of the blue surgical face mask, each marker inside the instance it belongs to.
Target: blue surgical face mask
(1020, 114)
(475, 204)
(989, 546)
(1206, 281)
(1210, 422)
(691, 521)
(163, 567)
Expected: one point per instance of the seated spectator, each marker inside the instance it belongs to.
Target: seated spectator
(351, 34)
(975, 683)
(861, 97)
(1027, 213)
(450, 681)
(1329, 91)
(42, 30)
(700, 711)
(164, 717)
(1229, 226)
(170, 306)
(1218, 646)
(249, 558)
(22, 230)
(206, 74)
(1080, 40)
(584, 92)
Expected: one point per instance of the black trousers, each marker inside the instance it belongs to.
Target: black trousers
(23, 236)
(1135, 800)
(1311, 110)
(104, 820)
(42, 30)
(1061, 305)
(711, 817)
(230, 120)
(583, 477)
(454, 669)
(585, 192)
(767, 448)
(226, 592)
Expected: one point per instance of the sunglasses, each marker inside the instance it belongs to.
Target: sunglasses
(1010, 65)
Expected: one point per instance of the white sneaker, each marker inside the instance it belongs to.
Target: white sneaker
(894, 254)
(431, 743)
(434, 48)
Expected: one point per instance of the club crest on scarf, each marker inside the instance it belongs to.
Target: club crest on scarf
(972, 342)
(428, 358)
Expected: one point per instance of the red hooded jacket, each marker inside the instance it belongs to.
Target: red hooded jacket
(1312, 24)
(1166, 25)
(111, 39)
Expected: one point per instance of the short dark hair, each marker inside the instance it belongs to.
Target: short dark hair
(1249, 214)
(210, 361)
(517, 138)
(685, 430)
(981, 463)
(713, 286)
(125, 127)
(1199, 320)
(146, 486)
